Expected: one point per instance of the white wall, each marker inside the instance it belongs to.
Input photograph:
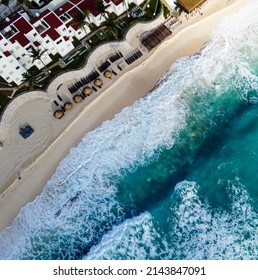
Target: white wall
(137, 2)
(118, 9)
(10, 69)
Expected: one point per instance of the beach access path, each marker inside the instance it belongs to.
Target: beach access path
(132, 84)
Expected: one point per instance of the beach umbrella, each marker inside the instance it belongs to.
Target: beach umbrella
(87, 90)
(98, 82)
(108, 74)
(68, 106)
(77, 98)
(58, 114)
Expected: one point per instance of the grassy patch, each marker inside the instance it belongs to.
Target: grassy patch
(166, 11)
(153, 10)
(54, 58)
(76, 42)
(101, 35)
(4, 100)
(4, 84)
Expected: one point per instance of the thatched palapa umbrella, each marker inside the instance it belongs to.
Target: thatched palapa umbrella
(77, 98)
(68, 105)
(108, 74)
(58, 114)
(98, 83)
(87, 91)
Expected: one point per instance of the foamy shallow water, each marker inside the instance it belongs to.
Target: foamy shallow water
(195, 230)
(81, 211)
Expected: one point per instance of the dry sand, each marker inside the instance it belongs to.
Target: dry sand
(133, 85)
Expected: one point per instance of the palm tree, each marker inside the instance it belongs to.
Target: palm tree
(80, 19)
(111, 25)
(101, 7)
(36, 54)
(6, 3)
(28, 79)
(87, 15)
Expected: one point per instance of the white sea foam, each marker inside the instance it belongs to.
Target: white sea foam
(80, 200)
(135, 238)
(200, 232)
(196, 230)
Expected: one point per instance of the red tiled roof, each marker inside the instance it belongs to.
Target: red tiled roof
(88, 5)
(66, 38)
(74, 11)
(52, 33)
(53, 21)
(117, 2)
(72, 7)
(74, 25)
(61, 10)
(76, 1)
(23, 28)
(21, 39)
(7, 53)
(36, 43)
(43, 14)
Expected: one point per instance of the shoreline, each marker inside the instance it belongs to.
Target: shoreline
(194, 32)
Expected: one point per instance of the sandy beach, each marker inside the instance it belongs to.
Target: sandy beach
(188, 39)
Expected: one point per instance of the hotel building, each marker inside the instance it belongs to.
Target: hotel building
(50, 29)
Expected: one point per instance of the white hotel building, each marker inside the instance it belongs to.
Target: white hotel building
(50, 29)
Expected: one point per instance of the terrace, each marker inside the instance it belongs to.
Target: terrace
(41, 28)
(9, 31)
(65, 17)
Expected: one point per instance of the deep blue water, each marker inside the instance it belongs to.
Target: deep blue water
(172, 177)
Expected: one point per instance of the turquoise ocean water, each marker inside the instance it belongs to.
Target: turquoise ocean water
(175, 176)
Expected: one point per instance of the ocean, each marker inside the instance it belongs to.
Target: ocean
(174, 176)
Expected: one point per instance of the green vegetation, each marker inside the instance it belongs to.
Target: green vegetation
(54, 58)
(4, 99)
(74, 63)
(76, 42)
(4, 84)
(102, 8)
(111, 30)
(153, 8)
(110, 24)
(4, 94)
(166, 11)
(36, 54)
(101, 35)
(80, 19)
